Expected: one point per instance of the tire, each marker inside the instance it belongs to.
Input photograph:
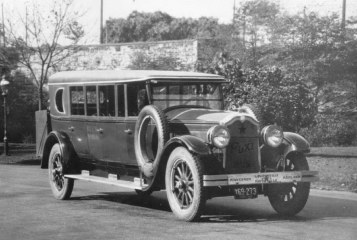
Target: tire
(289, 199)
(148, 151)
(184, 189)
(61, 187)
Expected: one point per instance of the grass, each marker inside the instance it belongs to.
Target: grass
(337, 166)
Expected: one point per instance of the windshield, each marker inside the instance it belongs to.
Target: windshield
(206, 95)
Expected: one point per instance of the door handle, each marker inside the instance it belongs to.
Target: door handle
(99, 130)
(128, 131)
(71, 128)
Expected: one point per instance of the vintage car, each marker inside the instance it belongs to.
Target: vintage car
(157, 130)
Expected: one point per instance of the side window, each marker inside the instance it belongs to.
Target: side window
(91, 100)
(77, 100)
(121, 101)
(137, 98)
(59, 100)
(106, 101)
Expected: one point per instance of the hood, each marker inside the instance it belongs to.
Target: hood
(202, 115)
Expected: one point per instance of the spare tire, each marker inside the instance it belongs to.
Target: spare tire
(151, 135)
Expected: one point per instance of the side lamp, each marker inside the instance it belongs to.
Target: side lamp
(4, 84)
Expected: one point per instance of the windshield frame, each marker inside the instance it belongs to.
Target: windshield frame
(219, 99)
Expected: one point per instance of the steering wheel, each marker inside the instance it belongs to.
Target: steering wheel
(198, 98)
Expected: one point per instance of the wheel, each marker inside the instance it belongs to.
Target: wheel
(183, 180)
(151, 135)
(61, 187)
(290, 198)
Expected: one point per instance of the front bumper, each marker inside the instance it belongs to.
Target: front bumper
(259, 178)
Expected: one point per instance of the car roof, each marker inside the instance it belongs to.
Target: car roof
(114, 76)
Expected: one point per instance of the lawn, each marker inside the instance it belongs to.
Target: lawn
(337, 166)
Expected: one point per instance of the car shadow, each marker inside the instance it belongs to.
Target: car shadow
(29, 162)
(156, 201)
(230, 210)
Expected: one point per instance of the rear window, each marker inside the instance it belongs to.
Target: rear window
(59, 100)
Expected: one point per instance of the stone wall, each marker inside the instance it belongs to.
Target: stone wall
(120, 56)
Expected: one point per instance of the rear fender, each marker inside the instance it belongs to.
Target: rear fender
(65, 144)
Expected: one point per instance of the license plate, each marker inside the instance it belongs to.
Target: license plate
(245, 192)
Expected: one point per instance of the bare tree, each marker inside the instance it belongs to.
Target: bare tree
(38, 42)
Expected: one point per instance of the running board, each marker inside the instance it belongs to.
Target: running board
(111, 180)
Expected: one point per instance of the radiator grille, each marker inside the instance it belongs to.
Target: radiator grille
(242, 154)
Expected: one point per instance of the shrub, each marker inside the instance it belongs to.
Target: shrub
(22, 102)
(282, 98)
(331, 130)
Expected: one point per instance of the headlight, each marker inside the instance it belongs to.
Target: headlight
(272, 135)
(218, 136)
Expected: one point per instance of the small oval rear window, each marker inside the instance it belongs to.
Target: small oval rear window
(59, 102)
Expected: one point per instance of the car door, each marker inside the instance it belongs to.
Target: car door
(75, 127)
(134, 104)
(94, 131)
(111, 127)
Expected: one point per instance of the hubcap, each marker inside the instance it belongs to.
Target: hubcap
(183, 186)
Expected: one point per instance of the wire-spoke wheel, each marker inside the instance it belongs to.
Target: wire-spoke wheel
(61, 187)
(184, 185)
(290, 198)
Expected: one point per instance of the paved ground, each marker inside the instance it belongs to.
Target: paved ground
(28, 211)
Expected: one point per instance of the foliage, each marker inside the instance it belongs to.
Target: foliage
(253, 21)
(20, 108)
(158, 26)
(331, 130)
(143, 61)
(282, 99)
(39, 48)
(8, 59)
(318, 49)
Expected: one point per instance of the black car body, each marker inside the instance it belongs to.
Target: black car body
(155, 130)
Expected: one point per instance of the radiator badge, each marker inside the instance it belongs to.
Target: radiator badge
(242, 148)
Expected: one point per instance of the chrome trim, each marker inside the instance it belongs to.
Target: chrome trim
(260, 178)
(242, 117)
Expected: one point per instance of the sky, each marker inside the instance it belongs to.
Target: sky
(220, 9)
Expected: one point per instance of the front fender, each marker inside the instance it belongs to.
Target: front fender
(65, 144)
(292, 143)
(192, 143)
(295, 143)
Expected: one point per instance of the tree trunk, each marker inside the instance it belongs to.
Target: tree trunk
(40, 97)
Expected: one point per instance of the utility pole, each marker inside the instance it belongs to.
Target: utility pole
(3, 25)
(26, 27)
(234, 12)
(101, 23)
(343, 22)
